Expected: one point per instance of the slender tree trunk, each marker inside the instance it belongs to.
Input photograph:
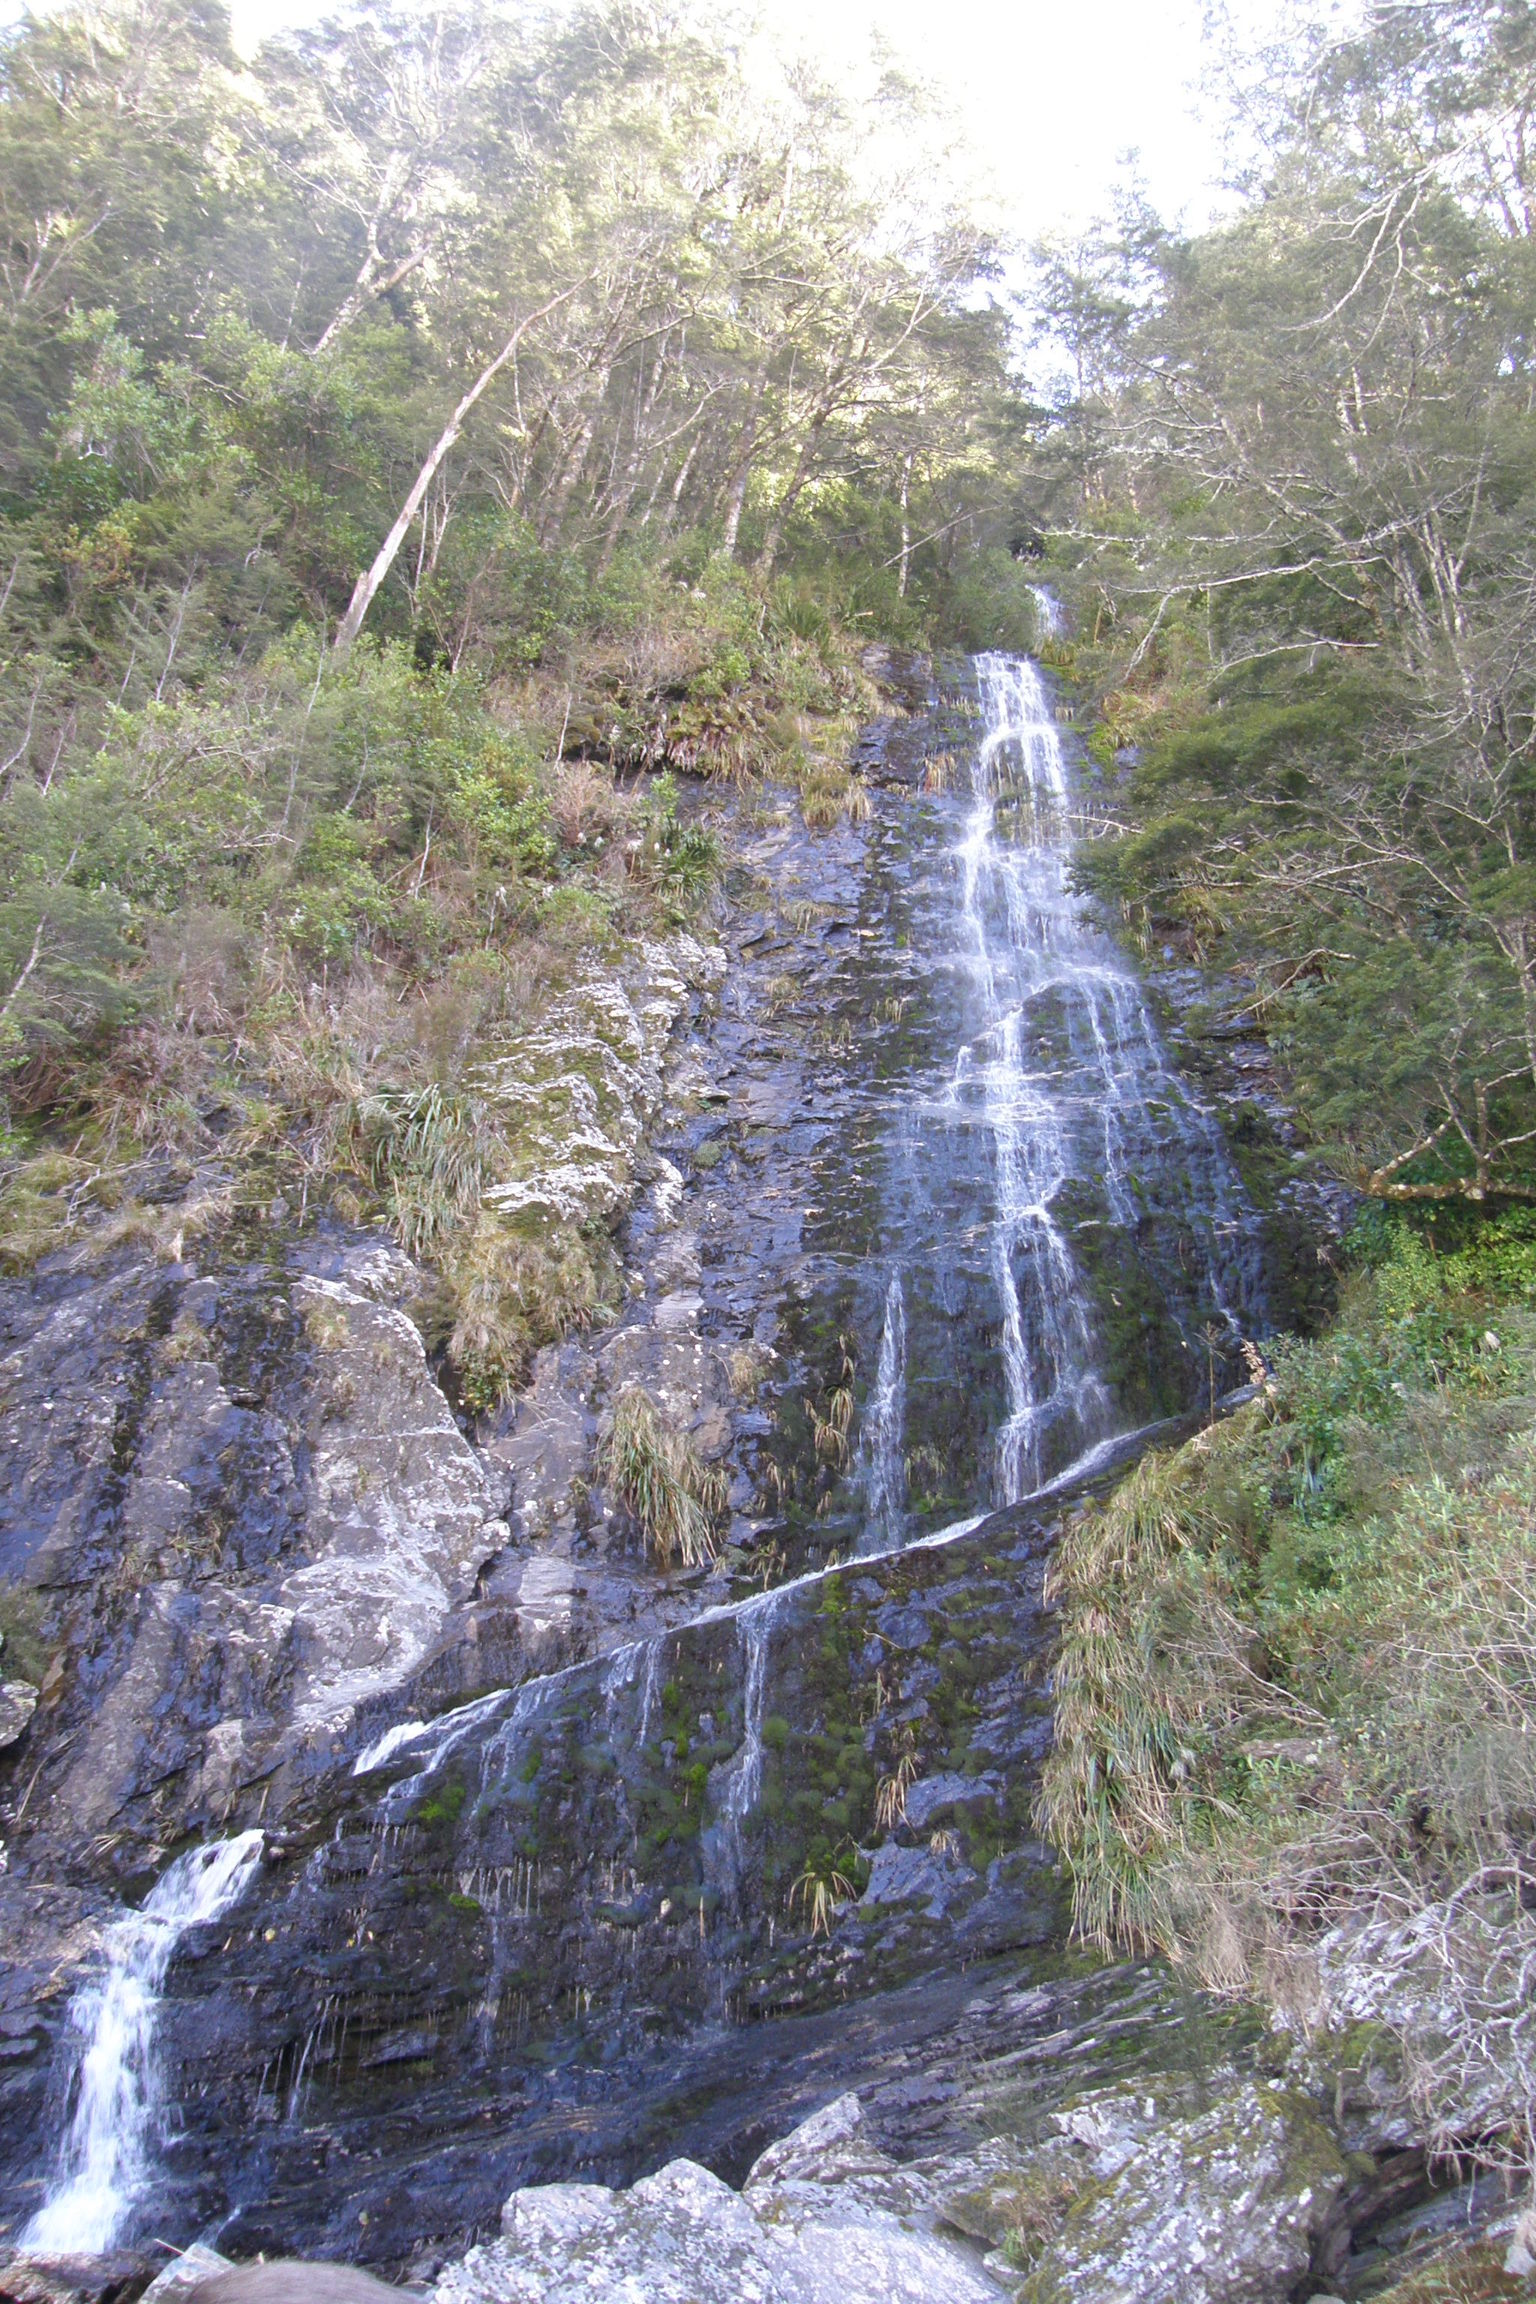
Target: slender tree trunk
(774, 532)
(366, 292)
(680, 483)
(741, 474)
(372, 577)
(563, 485)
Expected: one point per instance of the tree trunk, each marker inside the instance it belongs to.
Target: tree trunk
(741, 474)
(791, 497)
(372, 577)
(367, 291)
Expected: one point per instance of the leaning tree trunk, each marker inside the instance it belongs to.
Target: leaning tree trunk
(372, 577)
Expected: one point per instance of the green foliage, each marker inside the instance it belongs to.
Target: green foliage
(1297, 1683)
(236, 861)
(1302, 472)
(831, 1879)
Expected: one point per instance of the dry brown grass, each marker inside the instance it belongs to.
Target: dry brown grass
(656, 1473)
(1296, 1704)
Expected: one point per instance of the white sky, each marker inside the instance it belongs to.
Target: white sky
(1051, 94)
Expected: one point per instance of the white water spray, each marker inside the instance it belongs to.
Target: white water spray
(1066, 1074)
(1030, 944)
(1050, 615)
(885, 1479)
(107, 2157)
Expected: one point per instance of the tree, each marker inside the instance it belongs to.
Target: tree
(1323, 471)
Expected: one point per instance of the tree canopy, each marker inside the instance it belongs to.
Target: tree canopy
(1303, 468)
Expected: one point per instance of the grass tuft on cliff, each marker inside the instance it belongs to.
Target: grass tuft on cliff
(657, 1474)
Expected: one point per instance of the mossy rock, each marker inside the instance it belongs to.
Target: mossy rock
(1195, 2206)
(1473, 2275)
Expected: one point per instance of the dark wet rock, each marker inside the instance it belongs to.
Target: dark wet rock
(117, 2278)
(559, 1926)
(900, 1875)
(265, 1528)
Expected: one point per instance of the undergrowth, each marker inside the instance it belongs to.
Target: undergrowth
(1296, 1727)
(344, 885)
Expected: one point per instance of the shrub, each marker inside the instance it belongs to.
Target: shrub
(1296, 1723)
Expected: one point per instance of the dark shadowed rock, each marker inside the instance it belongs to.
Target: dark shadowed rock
(117, 2277)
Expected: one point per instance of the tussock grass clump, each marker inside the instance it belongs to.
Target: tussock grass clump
(511, 1289)
(658, 1475)
(1474, 2275)
(1296, 1727)
(37, 1199)
(432, 1154)
(826, 1886)
(832, 795)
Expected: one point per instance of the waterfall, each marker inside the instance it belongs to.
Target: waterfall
(1050, 1071)
(107, 2156)
(1049, 614)
(1063, 1074)
(884, 1476)
(744, 1777)
(1029, 943)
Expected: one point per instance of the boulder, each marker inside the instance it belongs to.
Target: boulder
(116, 2277)
(289, 2281)
(1228, 2204)
(18, 1702)
(825, 2218)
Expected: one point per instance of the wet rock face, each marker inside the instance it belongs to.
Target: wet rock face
(246, 1508)
(261, 1544)
(239, 1508)
(566, 1879)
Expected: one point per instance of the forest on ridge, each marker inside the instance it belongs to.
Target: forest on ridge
(418, 438)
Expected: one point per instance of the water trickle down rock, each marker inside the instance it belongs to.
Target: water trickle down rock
(884, 1425)
(106, 2159)
(551, 1843)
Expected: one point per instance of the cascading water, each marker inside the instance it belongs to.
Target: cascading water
(884, 1424)
(1058, 1096)
(1026, 935)
(639, 1816)
(107, 2158)
(1056, 1076)
(1051, 621)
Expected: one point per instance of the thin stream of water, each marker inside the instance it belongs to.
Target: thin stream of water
(107, 2157)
